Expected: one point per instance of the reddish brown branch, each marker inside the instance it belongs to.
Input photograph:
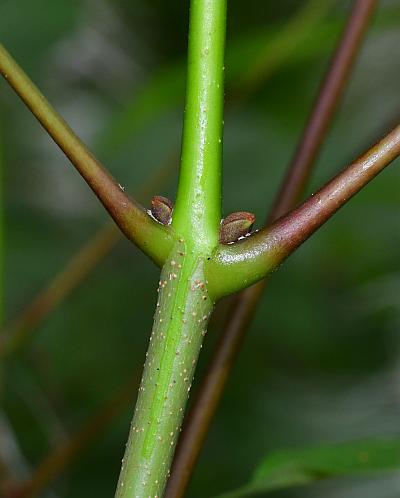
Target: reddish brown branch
(243, 305)
(252, 259)
(292, 230)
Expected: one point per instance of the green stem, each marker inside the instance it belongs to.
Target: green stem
(180, 323)
(197, 212)
(184, 305)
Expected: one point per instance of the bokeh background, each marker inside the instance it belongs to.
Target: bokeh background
(321, 360)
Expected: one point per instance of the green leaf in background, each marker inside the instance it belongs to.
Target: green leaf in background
(257, 56)
(290, 468)
(161, 93)
(251, 59)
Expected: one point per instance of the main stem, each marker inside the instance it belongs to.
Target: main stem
(198, 203)
(184, 305)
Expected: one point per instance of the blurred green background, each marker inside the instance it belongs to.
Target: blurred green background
(322, 360)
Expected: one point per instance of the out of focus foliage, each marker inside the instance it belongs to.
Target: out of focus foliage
(322, 360)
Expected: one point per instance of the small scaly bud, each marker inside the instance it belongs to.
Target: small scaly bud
(235, 225)
(161, 209)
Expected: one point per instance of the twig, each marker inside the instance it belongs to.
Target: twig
(248, 261)
(323, 110)
(151, 237)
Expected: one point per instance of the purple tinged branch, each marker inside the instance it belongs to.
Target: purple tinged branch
(323, 109)
(245, 262)
(292, 230)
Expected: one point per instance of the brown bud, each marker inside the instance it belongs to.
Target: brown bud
(161, 209)
(235, 225)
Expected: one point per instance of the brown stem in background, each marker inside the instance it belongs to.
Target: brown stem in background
(151, 237)
(323, 110)
(57, 460)
(244, 304)
(16, 332)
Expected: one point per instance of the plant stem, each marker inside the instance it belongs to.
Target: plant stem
(245, 262)
(179, 326)
(151, 237)
(244, 304)
(323, 110)
(184, 305)
(197, 211)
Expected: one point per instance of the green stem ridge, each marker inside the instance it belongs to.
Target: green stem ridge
(151, 237)
(180, 323)
(197, 212)
(233, 267)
